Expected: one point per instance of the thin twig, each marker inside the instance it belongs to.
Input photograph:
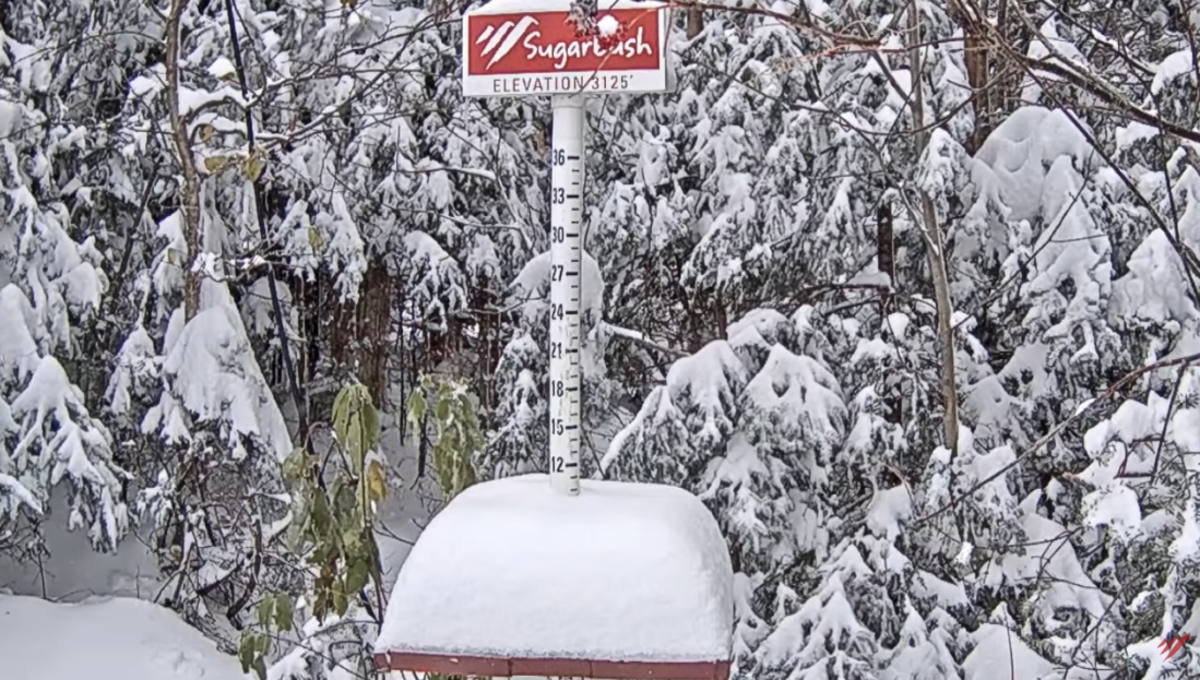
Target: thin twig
(259, 210)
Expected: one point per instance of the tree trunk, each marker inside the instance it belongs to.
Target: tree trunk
(934, 246)
(374, 328)
(189, 206)
(695, 22)
(361, 330)
(885, 243)
(983, 101)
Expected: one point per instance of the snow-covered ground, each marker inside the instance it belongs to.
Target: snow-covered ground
(112, 584)
(104, 639)
(74, 571)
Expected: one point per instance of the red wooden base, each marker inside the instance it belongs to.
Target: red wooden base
(500, 667)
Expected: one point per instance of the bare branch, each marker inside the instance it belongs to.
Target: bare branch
(189, 207)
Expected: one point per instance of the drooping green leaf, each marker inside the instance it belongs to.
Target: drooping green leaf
(265, 611)
(351, 540)
(246, 649)
(370, 420)
(340, 600)
(284, 612)
(322, 518)
(296, 465)
(341, 413)
(356, 424)
(416, 408)
(376, 481)
(357, 575)
(297, 531)
(264, 645)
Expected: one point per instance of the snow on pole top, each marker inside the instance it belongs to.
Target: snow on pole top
(622, 581)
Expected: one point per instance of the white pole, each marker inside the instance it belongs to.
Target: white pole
(566, 257)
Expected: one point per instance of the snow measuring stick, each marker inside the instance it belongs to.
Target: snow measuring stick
(538, 48)
(566, 257)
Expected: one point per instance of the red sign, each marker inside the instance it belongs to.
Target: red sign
(546, 43)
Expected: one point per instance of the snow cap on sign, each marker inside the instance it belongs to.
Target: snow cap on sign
(525, 6)
(511, 569)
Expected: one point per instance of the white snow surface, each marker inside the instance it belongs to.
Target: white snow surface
(222, 68)
(105, 639)
(622, 572)
(1000, 654)
(1173, 67)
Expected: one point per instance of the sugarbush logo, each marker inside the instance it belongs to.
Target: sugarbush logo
(1172, 645)
(500, 40)
(503, 39)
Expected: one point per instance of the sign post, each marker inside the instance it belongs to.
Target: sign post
(566, 258)
(522, 48)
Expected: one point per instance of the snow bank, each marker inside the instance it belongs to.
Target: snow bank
(622, 572)
(107, 639)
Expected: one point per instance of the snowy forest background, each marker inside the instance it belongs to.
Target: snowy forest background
(905, 290)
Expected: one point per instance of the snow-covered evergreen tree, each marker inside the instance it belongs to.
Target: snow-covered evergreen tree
(842, 200)
(50, 284)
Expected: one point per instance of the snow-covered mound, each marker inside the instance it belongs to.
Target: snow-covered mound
(104, 639)
(622, 572)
